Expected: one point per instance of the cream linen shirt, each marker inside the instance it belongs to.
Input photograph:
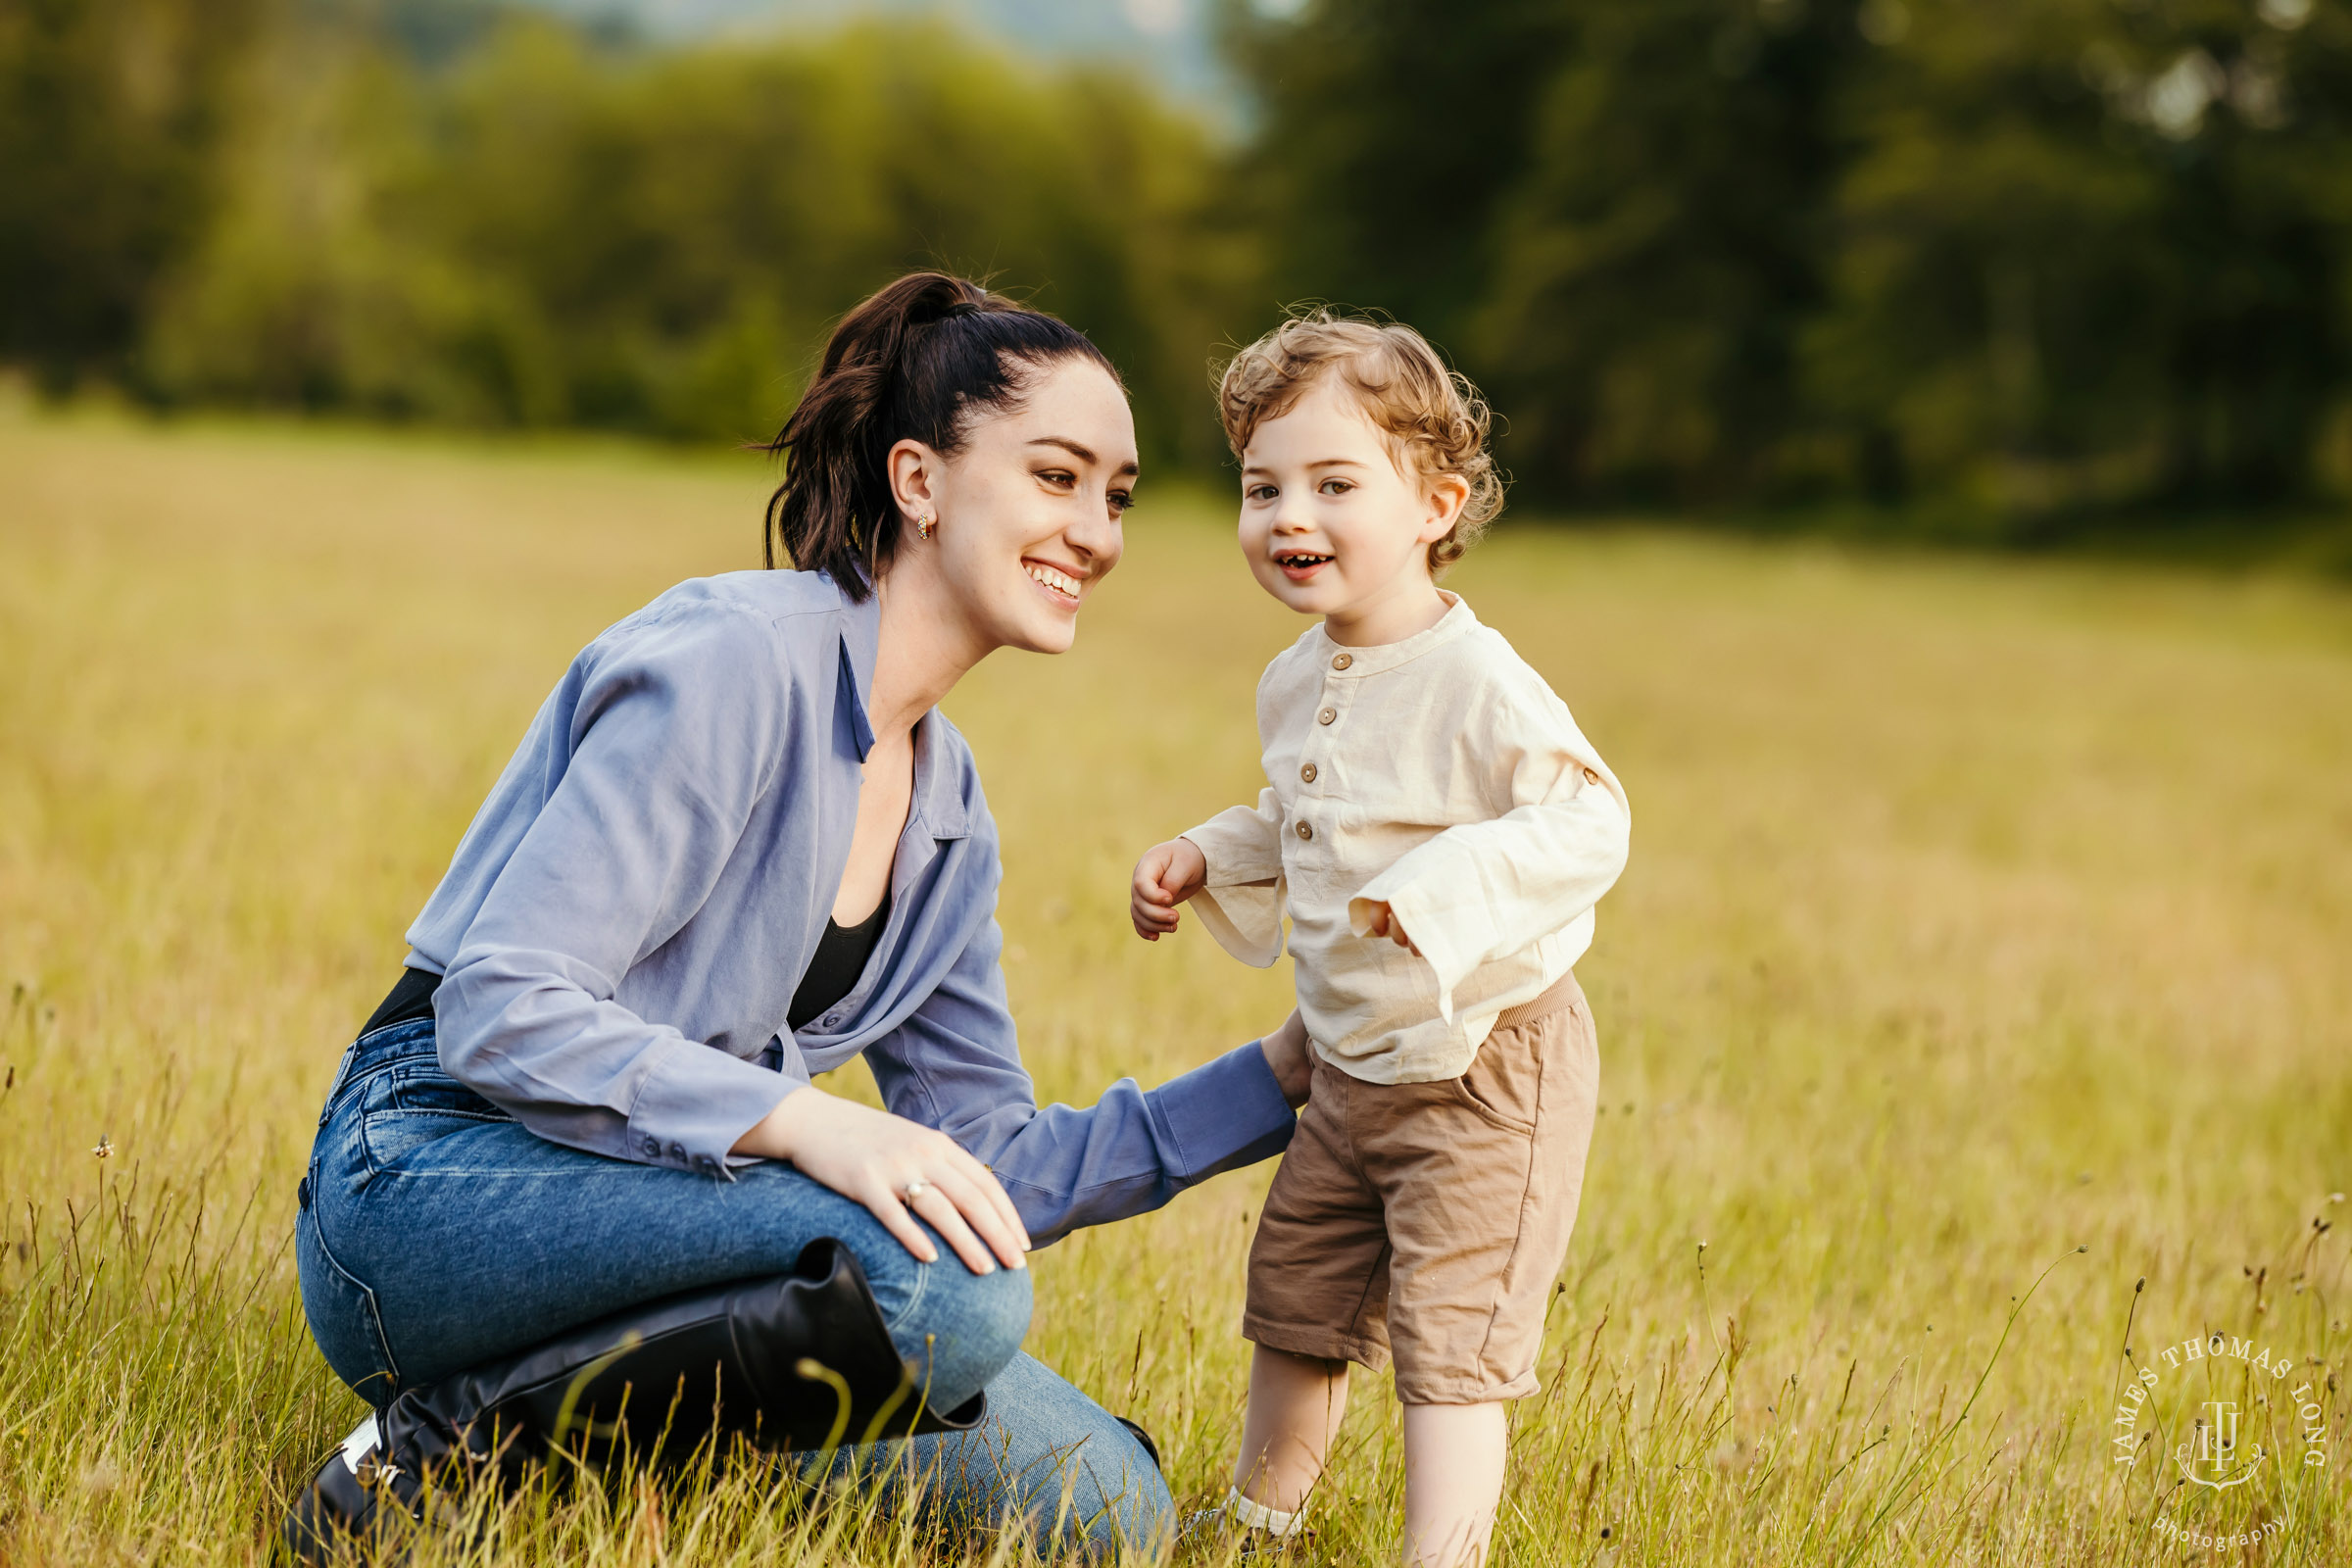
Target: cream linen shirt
(1438, 774)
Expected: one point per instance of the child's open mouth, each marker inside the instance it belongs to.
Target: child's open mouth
(1301, 565)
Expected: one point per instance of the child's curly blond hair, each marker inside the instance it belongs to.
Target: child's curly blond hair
(1434, 420)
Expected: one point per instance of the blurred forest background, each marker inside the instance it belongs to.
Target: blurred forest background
(2016, 268)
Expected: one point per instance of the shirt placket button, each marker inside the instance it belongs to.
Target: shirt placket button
(1343, 661)
(1305, 831)
(1306, 774)
(1327, 716)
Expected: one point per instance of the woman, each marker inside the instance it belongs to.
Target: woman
(573, 1172)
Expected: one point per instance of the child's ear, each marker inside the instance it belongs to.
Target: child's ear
(1445, 495)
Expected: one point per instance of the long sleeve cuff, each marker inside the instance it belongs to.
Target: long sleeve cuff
(695, 1102)
(1240, 902)
(1225, 1113)
(1453, 939)
(1246, 921)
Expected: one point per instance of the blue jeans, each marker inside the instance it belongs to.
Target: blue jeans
(436, 1233)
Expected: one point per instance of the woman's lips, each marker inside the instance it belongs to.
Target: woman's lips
(1055, 584)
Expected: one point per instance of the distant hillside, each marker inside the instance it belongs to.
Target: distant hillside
(1169, 38)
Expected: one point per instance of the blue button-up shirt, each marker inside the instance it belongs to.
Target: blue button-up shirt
(625, 923)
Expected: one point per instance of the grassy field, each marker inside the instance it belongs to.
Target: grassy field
(1978, 913)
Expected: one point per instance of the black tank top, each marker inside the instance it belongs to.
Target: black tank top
(841, 957)
(832, 974)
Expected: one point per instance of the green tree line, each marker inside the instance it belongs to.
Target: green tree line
(481, 218)
(2010, 261)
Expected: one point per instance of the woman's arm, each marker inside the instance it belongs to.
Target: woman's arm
(663, 742)
(954, 1065)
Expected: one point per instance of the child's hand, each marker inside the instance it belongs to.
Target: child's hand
(1381, 922)
(1168, 874)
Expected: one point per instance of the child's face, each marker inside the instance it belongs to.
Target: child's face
(1329, 524)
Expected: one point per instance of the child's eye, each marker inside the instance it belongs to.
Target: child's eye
(1260, 492)
(1337, 487)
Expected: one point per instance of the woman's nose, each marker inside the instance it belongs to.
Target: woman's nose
(1096, 538)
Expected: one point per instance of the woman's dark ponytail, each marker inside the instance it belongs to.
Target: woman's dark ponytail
(917, 361)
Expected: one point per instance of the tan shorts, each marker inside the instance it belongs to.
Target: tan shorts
(1433, 1218)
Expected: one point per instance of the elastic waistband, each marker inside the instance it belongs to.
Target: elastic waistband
(1564, 994)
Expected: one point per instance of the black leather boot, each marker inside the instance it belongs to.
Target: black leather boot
(799, 1360)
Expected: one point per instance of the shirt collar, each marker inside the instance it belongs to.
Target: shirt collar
(938, 804)
(1456, 622)
(860, 636)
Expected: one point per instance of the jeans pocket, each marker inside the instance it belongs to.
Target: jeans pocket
(412, 1106)
(343, 1315)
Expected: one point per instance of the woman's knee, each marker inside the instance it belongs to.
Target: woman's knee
(965, 1328)
(1136, 1515)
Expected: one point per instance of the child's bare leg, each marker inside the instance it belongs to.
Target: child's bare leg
(1454, 1459)
(1296, 1402)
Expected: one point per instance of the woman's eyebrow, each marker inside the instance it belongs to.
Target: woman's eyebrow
(1081, 452)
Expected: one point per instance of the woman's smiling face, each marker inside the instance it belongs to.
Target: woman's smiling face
(1028, 507)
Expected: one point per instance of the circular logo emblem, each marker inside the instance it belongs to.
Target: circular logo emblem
(2237, 1428)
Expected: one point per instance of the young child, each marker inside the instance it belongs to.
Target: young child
(1437, 831)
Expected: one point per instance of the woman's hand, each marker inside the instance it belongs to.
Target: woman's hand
(1292, 1059)
(1168, 874)
(877, 1159)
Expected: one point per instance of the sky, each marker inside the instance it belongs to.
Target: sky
(1169, 38)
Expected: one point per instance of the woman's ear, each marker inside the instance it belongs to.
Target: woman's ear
(913, 474)
(1446, 494)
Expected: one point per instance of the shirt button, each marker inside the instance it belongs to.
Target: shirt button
(1343, 661)
(677, 1151)
(1307, 774)
(1591, 777)
(1305, 832)
(1327, 716)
